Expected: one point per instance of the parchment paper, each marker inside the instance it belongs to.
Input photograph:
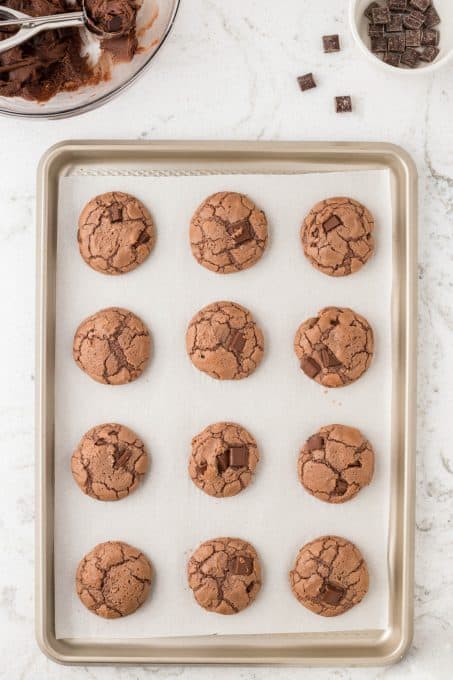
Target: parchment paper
(168, 516)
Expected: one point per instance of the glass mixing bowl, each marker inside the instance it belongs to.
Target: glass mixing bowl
(154, 22)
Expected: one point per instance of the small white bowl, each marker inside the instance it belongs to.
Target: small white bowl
(359, 27)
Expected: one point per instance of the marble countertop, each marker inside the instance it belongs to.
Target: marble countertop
(228, 72)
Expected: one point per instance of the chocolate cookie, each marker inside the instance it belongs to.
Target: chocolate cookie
(337, 236)
(228, 233)
(116, 233)
(336, 347)
(113, 580)
(224, 341)
(113, 346)
(335, 463)
(330, 576)
(225, 575)
(223, 459)
(109, 462)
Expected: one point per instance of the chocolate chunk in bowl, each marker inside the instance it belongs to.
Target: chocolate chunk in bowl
(411, 19)
(53, 79)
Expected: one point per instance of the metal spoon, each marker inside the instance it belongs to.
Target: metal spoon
(30, 26)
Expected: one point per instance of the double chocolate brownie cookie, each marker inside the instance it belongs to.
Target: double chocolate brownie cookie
(337, 236)
(330, 576)
(224, 341)
(113, 580)
(224, 575)
(112, 346)
(223, 459)
(335, 463)
(109, 462)
(336, 347)
(116, 233)
(228, 233)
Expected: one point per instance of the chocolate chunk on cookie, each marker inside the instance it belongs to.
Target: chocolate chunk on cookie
(330, 576)
(337, 236)
(112, 346)
(336, 347)
(109, 462)
(224, 341)
(335, 463)
(223, 459)
(113, 580)
(228, 233)
(116, 233)
(224, 575)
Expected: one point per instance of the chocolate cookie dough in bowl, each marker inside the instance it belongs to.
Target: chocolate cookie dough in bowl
(63, 73)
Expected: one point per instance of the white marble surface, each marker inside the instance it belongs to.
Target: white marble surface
(228, 71)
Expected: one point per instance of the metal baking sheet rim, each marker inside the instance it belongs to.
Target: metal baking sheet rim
(373, 647)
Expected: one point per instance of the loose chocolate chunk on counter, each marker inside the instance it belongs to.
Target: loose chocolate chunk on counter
(410, 58)
(238, 456)
(306, 82)
(380, 15)
(343, 104)
(429, 53)
(395, 24)
(421, 5)
(430, 37)
(369, 10)
(379, 45)
(331, 43)
(397, 42)
(431, 17)
(392, 58)
(414, 20)
(413, 38)
(397, 5)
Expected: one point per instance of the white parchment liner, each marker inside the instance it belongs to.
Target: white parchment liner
(168, 516)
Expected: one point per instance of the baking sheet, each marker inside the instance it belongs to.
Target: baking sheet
(168, 516)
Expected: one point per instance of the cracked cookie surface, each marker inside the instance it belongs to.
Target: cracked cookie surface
(330, 576)
(109, 462)
(116, 233)
(337, 236)
(223, 459)
(113, 580)
(336, 347)
(224, 341)
(224, 575)
(335, 463)
(228, 233)
(112, 346)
